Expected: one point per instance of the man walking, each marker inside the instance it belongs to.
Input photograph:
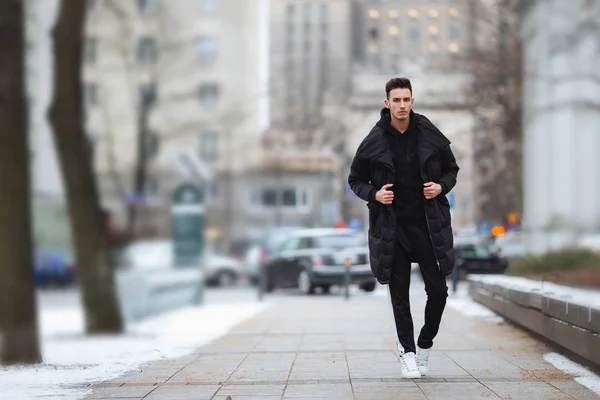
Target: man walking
(403, 169)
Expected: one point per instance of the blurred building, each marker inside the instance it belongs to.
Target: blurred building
(181, 85)
(310, 59)
(561, 118)
(390, 35)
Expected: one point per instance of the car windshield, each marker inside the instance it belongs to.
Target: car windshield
(347, 240)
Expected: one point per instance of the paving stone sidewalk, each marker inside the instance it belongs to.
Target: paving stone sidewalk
(325, 347)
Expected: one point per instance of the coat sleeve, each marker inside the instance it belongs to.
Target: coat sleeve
(449, 170)
(360, 177)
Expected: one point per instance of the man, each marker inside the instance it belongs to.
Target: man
(404, 168)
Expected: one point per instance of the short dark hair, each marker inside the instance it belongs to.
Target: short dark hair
(397, 83)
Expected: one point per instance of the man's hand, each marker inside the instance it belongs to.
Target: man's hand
(432, 190)
(385, 196)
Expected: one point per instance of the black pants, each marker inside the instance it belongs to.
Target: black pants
(414, 244)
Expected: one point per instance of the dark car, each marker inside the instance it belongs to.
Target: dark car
(316, 258)
(478, 258)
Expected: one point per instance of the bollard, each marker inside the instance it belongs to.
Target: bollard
(348, 264)
(262, 282)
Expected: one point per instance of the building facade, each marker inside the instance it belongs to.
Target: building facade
(392, 35)
(561, 139)
(181, 84)
(310, 59)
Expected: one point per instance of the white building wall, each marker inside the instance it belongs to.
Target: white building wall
(561, 123)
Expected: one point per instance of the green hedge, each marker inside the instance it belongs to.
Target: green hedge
(568, 259)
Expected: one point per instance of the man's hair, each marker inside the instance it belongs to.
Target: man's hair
(397, 83)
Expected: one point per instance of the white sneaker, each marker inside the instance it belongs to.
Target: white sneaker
(423, 360)
(408, 365)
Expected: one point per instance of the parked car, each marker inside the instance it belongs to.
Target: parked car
(263, 250)
(219, 270)
(478, 258)
(53, 268)
(316, 258)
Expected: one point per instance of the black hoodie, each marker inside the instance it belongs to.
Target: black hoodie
(408, 184)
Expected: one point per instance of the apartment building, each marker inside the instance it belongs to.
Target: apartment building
(182, 84)
(391, 35)
(310, 59)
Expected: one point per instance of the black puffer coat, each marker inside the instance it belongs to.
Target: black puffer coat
(373, 167)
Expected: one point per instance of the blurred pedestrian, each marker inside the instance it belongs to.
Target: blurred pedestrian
(404, 168)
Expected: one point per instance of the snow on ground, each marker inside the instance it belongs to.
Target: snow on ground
(584, 297)
(581, 374)
(462, 302)
(72, 360)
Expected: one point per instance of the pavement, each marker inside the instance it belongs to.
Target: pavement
(326, 347)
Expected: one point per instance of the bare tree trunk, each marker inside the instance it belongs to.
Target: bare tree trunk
(95, 267)
(18, 323)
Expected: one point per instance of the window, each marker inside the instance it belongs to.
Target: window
(147, 50)
(434, 13)
(90, 50)
(324, 28)
(453, 11)
(90, 94)
(307, 10)
(453, 48)
(324, 11)
(208, 6)
(290, 28)
(209, 95)
(413, 13)
(147, 93)
(393, 30)
(209, 145)
(414, 33)
(290, 10)
(432, 47)
(307, 47)
(307, 28)
(349, 240)
(148, 7)
(373, 13)
(393, 13)
(454, 33)
(434, 30)
(290, 47)
(270, 198)
(208, 49)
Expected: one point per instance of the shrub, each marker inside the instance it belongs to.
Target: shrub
(567, 259)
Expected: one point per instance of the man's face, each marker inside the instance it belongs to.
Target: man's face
(400, 102)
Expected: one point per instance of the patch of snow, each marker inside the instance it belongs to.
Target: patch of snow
(581, 374)
(72, 360)
(583, 297)
(461, 301)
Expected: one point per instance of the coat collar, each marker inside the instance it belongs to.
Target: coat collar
(430, 141)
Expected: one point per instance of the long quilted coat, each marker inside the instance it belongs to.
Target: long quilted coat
(373, 167)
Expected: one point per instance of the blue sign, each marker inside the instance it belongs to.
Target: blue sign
(355, 224)
(485, 228)
(450, 197)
